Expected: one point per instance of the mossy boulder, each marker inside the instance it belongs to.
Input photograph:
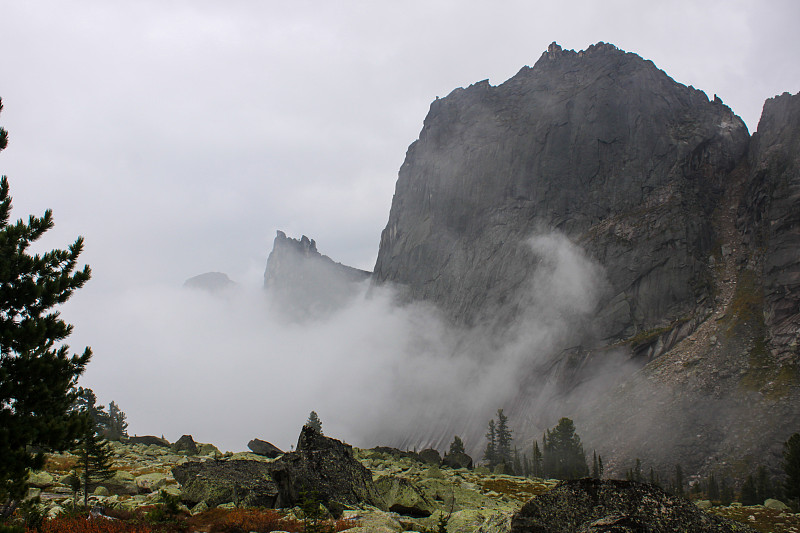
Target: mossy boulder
(247, 483)
(404, 497)
(592, 505)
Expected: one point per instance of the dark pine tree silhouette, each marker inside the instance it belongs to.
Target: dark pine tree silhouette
(37, 372)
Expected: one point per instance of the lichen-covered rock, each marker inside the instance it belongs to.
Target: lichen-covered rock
(457, 460)
(151, 482)
(403, 497)
(430, 456)
(246, 483)
(327, 467)
(185, 445)
(262, 447)
(40, 479)
(148, 440)
(777, 505)
(122, 483)
(591, 506)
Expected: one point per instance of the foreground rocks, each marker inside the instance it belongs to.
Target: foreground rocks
(385, 490)
(591, 505)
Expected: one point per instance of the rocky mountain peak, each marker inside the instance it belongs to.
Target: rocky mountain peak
(305, 283)
(691, 229)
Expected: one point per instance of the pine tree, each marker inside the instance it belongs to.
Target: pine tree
(536, 461)
(749, 495)
(117, 427)
(637, 471)
(600, 464)
(490, 453)
(517, 463)
(763, 484)
(791, 465)
(457, 446)
(504, 439)
(713, 488)
(725, 492)
(94, 459)
(563, 454)
(314, 422)
(678, 480)
(595, 465)
(37, 374)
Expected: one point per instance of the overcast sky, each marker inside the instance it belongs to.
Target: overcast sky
(178, 136)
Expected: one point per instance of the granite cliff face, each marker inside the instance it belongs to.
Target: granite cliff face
(770, 219)
(600, 145)
(696, 229)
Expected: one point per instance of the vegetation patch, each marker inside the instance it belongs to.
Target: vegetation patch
(761, 518)
(520, 489)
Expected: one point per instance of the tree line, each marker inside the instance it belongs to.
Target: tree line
(562, 456)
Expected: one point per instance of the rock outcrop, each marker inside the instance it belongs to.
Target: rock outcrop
(327, 468)
(591, 505)
(246, 483)
(262, 447)
(305, 283)
(694, 229)
(770, 218)
(210, 281)
(600, 145)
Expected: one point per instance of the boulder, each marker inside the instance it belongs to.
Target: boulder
(457, 460)
(776, 505)
(40, 479)
(326, 467)
(262, 447)
(122, 483)
(208, 449)
(186, 445)
(395, 453)
(151, 482)
(592, 505)
(245, 483)
(430, 456)
(149, 440)
(482, 520)
(403, 497)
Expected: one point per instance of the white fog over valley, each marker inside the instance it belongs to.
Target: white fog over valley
(178, 137)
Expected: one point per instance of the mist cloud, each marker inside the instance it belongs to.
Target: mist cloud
(227, 367)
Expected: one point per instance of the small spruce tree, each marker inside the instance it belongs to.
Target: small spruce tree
(791, 465)
(457, 446)
(504, 440)
(314, 422)
(117, 426)
(94, 459)
(490, 452)
(536, 461)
